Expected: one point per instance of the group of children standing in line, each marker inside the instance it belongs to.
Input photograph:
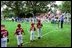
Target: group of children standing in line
(19, 31)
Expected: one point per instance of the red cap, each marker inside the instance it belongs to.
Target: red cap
(19, 25)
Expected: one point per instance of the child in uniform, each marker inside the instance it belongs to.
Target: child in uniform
(4, 36)
(32, 29)
(39, 27)
(18, 33)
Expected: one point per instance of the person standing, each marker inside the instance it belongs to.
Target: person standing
(19, 31)
(4, 36)
(62, 20)
(32, 30)
(39, 27)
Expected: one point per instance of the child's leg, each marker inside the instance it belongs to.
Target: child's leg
(21, 40)
(40, 32)
(4, 42)
(1, 42)
(18, 40)
(31, 35)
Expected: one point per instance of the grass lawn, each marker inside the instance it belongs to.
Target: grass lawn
(52, 35)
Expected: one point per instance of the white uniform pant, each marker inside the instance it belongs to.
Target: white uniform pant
(4, 42)
(39, 32)
(32, 35)
(19, 39)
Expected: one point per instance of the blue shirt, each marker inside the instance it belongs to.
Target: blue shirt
(61, 18)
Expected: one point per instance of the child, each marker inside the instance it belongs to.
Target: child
(4, 36)
(39, 26)
(32, 29)
(19, 32)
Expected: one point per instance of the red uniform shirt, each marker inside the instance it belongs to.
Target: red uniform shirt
(39, 25)
(19, 31)
(32, 27)
(4, 33)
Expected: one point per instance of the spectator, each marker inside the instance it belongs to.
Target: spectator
(62, 20)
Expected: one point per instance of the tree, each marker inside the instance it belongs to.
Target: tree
(27, 6)
(54, 7)
(66, 6)
(37, 6)
(16, 6)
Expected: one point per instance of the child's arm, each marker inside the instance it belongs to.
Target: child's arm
(7, 37)
(23, 31)
(7, 33)
(34, 29)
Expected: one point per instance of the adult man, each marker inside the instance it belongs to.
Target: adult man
(62, 20)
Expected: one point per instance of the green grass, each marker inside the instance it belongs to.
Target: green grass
(55, 37)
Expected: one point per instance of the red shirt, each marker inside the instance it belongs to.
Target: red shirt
(19, 31)
(4, 33)
(39, 25)
(32, 28)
